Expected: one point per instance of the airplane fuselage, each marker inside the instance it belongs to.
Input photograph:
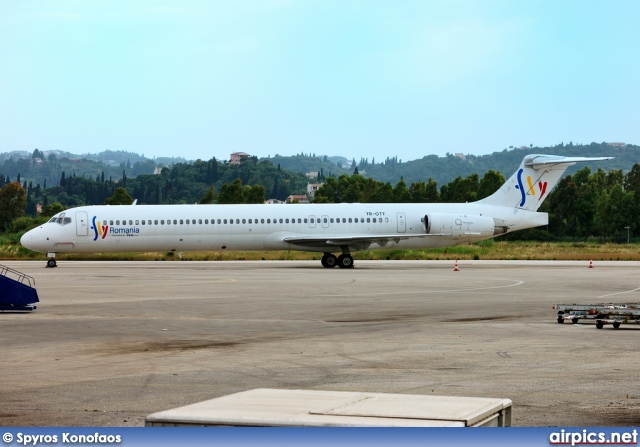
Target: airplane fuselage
(141, 228)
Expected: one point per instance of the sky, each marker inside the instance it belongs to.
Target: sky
(361, 78)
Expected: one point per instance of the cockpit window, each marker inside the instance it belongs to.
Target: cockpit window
(61, 219)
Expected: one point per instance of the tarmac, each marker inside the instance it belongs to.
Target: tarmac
(112, 342)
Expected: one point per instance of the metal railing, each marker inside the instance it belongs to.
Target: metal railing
(19, 276)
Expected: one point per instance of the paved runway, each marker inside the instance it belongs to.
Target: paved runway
(112, 342)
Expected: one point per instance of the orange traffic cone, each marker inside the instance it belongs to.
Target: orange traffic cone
(455, 268)
(591, 264)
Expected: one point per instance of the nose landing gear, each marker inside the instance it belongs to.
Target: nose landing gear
(51, 263)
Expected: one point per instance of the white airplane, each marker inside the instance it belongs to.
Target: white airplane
(325, 228)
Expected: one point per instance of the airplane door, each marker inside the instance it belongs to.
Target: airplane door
(325, 221)
(402, 223)
(82, 223)
(312, 221)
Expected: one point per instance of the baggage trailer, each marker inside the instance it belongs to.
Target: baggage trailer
(603, 313)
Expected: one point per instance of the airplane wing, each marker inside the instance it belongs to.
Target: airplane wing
(362, 242)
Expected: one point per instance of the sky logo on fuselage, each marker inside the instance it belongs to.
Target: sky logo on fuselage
(99, 230)
(542, 187)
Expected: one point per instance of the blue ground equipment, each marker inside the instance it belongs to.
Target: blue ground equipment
(17, 291)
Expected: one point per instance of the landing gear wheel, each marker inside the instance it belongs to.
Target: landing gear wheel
(574, 320)
(599, 324)
(345, 261)
(560, 320)
(51, 263)
(616, 325)
(329, 260)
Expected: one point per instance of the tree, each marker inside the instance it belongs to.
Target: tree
(120, 197)
(231, 193)
(401, 193)
(254, 194)
(52, 209)
(209, 197)
(490, 183)
(13, 200)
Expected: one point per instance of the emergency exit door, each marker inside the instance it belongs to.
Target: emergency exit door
(402, 222)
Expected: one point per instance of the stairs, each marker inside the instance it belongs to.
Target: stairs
(17, 291)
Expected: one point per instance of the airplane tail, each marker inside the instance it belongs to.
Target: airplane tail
(533, 181)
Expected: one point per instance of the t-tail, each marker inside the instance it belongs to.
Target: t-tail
(533, 181)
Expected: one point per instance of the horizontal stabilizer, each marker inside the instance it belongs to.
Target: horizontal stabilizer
(543, 160)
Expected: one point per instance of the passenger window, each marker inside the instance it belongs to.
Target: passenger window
(162, 222)
(169, 222)
(244, 221)
(117, 222)
(313, 220)
(206, 221)
(331, 220)
(374, 220)
(143, 221)
(305, 220)
(268, 221)
(199, 221)
(281, 221)
(187, 221)
(219, 221)
(286, 220)
(368, 220)
(137, 223)
(262, 221)
(326, 220)
(349, 220)
(251, 221)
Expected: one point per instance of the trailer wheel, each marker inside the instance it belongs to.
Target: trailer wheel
(599, 324)
(616, 325)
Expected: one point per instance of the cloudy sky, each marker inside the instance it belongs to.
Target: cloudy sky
(361, 78)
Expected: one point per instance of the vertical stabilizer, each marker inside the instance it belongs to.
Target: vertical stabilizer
(533, 181)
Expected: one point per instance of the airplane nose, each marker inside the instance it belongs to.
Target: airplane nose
(26, 239)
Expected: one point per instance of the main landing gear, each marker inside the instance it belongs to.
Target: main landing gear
(344, 261)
